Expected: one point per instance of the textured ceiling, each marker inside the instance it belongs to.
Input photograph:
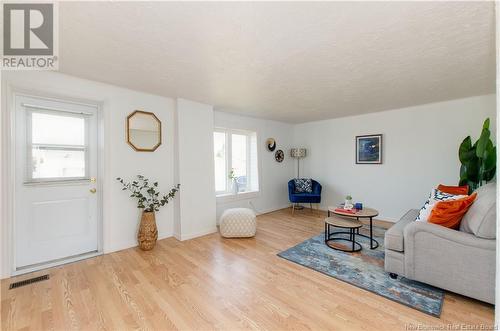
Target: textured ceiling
(293, 62)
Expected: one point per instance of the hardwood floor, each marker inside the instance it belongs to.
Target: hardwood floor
(214, 283)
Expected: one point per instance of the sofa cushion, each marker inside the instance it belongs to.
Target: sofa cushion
(458, 190)
(480, 220)
(305, 198)
(394, 238)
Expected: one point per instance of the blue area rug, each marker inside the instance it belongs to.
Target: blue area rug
(365, 269)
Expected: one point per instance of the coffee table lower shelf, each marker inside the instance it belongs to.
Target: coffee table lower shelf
(353, 227)
(367, 213)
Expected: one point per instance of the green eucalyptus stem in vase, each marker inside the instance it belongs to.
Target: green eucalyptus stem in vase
(149, 200)
(232, 177)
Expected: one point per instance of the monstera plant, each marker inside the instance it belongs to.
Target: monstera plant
(478, 160)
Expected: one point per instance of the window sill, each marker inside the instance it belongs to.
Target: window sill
(229, 197)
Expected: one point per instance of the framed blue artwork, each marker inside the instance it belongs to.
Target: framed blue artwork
(369, 149)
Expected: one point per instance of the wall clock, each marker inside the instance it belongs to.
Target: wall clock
(271, 144)
(279, 155)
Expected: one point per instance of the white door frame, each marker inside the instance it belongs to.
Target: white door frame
(9, 171)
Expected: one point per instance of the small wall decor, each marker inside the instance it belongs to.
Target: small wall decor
(279, 155)
(143, 131)
(271, 144)
(369, 149)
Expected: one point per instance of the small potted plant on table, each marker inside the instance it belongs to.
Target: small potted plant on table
(148, 199)
(348, 203)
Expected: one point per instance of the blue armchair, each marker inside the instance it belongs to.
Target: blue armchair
(295, 198)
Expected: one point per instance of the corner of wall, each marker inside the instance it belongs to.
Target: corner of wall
(497, 290)
(195, 212)
(177, 216)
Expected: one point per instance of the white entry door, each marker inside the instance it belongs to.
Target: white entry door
(56, 198)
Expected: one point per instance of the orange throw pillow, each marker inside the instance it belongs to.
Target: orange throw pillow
(449, 213)
(457, 190)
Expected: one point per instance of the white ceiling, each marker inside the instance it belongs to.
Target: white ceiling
(294, 61)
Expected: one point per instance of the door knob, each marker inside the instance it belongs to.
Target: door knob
(93, 190)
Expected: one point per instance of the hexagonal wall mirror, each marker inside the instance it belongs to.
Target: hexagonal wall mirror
(143, 131)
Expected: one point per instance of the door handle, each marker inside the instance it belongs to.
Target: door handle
(93, 190)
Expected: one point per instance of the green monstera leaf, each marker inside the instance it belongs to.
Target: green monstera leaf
(486, 124)
(466, 152)
(463, 175)
(483, 142)
(490, 158)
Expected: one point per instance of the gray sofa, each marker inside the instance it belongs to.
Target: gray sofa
(459, 261)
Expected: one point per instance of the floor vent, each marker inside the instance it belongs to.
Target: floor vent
(28, 281)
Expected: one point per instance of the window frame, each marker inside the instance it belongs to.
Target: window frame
(228, 193)
(226, 163)
(29, 146)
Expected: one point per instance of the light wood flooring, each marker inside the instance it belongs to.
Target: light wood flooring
(213, 283)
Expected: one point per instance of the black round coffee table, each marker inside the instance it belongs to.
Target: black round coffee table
(366, 213)
(342, 223)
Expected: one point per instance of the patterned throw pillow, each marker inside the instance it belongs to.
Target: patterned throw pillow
(435, 197)
(303, 185)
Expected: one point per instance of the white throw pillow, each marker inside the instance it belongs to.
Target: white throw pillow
(435, 197)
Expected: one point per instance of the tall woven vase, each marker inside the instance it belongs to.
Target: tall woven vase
(148, 232)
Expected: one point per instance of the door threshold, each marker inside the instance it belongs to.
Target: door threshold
(54, 263)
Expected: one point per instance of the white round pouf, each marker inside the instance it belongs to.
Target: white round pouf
(238, 223)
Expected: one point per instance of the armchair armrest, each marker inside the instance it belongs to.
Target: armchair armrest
(316, 188)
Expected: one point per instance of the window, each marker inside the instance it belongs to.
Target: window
(235, 157)
(57, 146)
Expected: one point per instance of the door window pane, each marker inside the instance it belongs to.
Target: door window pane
(57, 130)
(58, 163)
(58, 146)
(220, 161)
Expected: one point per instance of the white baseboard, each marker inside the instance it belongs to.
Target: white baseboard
(386, 219)
(270, 210)
(196, 234)
(130, 244)
(325, 210)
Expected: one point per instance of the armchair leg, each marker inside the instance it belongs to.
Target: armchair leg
(293, 208)
(311, 206)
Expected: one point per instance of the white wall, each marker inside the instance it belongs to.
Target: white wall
(195, 170)
(497, 286)
(120, 214)
(420, 150)
(273, 176)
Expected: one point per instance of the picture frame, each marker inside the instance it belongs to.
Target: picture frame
(369, 149)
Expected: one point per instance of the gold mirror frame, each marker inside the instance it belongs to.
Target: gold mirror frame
(152, 149)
